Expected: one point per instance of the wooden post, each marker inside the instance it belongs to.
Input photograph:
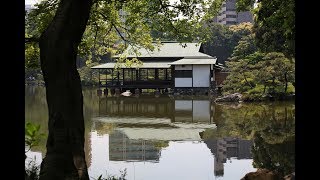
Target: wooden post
(112, 91)
(166, 74)
(99, 92)
(118, 75)
(99, 76)
(192, 75)
(132, 74)
(157, 93)
(117, 91)
(137, 92)
(112, 77)
(192, 109)
(147, 74)
(172, 76)
(106, 77)
(137, 74)
(122, 75)
(156, 72)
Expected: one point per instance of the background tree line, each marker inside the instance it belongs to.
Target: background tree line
(260, 57)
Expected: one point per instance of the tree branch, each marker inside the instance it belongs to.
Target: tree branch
(115, 27)
(31, 40)
(122, 37)
(164, 6)
(165, 10)
(97, 27)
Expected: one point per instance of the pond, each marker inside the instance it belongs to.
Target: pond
(166, 138)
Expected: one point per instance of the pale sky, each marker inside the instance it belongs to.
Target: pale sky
(35, 1)
(30, 1)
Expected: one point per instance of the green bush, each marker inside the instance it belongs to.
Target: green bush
(32, 138)
(32, 135)
(261, 76)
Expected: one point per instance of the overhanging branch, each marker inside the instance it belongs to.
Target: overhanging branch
(31, 40)
(118, 31)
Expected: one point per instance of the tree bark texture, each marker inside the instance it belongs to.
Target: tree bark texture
(286, 82)
(65, 157)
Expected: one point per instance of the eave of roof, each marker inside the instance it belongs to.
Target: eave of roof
(166, 50)
(123, 65)
(194, 61)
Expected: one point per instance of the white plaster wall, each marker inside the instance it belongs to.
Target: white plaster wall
(183, 82)
(183, 105)
(201, 75)
(201, 111)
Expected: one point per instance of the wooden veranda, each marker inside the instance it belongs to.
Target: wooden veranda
(135, 78)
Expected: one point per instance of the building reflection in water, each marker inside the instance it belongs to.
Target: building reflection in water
(226, 148)
(144, 123)
(188, 111)
(121, 148)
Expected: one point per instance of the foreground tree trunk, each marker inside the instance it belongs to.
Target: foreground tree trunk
(65, 157)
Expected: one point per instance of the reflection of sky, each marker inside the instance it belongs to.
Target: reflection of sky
(33, 156)
(180, 160)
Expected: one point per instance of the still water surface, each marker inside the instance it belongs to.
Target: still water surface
(164, 138)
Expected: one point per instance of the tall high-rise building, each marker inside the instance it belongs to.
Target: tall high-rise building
(229, 16)
(227, 148)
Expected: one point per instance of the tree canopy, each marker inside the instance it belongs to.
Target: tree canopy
(114, 24)
(260, 75)
(274, 25)
(262, 62)
(223, 39)
(271, 127)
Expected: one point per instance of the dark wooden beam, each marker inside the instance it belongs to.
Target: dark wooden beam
(118, 75)
(99, 76)
(137, 74)
(192, 76)
(156, 72)
(122, 74)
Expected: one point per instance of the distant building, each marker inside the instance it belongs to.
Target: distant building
(229, 16)
(181, 68)
(28, 7)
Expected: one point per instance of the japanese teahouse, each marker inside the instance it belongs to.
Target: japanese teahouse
(172, 66)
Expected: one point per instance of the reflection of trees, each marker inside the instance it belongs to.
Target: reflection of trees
(104, 128)
(275, 122)
(36, 111)
(271, 126)
(90, 105)
(276, 157)
(160, 144)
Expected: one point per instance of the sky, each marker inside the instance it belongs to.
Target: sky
(30, 1)
(35, 1)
